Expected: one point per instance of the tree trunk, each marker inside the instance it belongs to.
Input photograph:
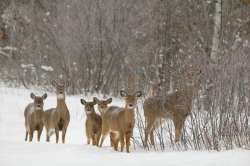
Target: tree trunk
(217, 29)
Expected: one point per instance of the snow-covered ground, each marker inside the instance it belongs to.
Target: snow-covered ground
(15, 151)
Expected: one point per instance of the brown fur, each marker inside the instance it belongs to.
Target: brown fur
(120, 121)
(57, 119)
(33, 115)
(246, 1)
(175, 106)
(102, 108)
(3, 34)
(93, 123)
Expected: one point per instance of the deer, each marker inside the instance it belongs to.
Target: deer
(175, 106)
(93, 123)
(152, 90)
(57, 119)
(33, 115)
(102, 108)
(121, 121)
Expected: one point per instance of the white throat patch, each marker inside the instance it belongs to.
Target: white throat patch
(131, 108)
(88, 112)
(103, 111)
(38, 108)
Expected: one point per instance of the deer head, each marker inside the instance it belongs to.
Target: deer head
(60, 88)
(88, 106)
(130, 100)
(102, 104)
(38, 100)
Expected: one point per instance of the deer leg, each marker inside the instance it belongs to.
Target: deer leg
(121, 134)
(115, 145)
(152, 140)
(39, 133)
(115, 142)
(63, 134)
(98, 138)
(57, 134)
(104, 135)
(178, 129)
(128, 136)
(93, 137)
(88, 136)
(88, 140)
(47, 137)
(148, 129)
(111, 135)
(47, 134)
(103, 138)
(31, 135)
(26, 135)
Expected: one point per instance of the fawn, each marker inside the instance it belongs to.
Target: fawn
(93, 123)
(33, 115)
(102, 108)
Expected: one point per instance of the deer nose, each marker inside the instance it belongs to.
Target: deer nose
(130, 105)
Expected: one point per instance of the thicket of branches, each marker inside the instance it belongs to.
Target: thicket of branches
(105, 45)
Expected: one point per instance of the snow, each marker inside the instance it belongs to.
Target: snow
(47, 68)
(3, 53)
(9, 48)
(30, 66)
(6, 48)
(15, 151)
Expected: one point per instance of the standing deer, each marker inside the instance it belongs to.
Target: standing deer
(121, 120)
(57, 119)
(33, 115)
(93, 123)
(175, 106)
(103, 107)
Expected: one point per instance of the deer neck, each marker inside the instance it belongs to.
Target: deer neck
(91, 115)
(60, 104)
(103, 111)
(129, 113)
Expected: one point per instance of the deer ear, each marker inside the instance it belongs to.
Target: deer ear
(53, 82)
(109, 100)
(44, 96)
(96, 100)
(32, 95)
(83, 102)
(123, 93)
(138, 94)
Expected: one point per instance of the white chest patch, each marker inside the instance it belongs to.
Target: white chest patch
(60, 96)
